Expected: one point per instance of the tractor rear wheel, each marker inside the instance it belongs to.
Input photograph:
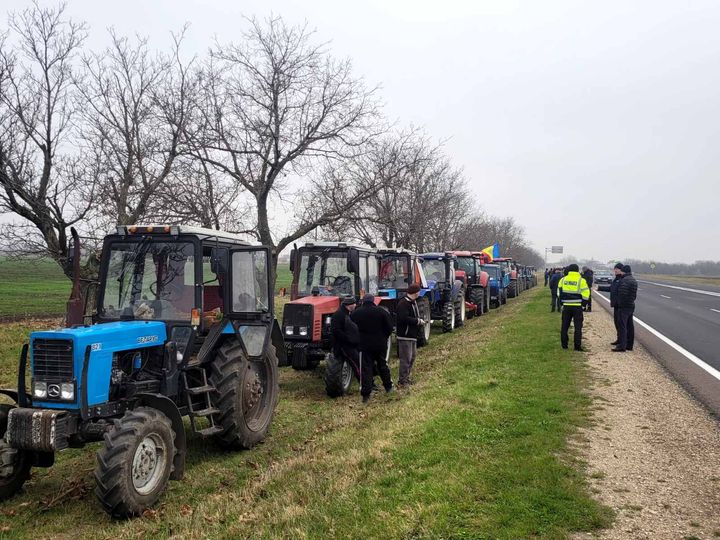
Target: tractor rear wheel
(338, 375)
(477, 297)
(448, 320)
(14, 464)
(426, 315)
(460, 308)
(503, 296)
(135, 463)
(487, 299)
(247, 394)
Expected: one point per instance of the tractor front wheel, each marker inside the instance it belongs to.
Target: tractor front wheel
(14, 464)
(135, 463)
(338, 375)
(247, 394)
(448, 320)
(426, 315)
(460, 308)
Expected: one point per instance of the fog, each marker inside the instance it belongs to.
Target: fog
(594, 124)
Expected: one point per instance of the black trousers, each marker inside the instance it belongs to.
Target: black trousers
(588, 305)
(574, 314)
(370, 361)
(554, 300)
(626, 328)
(616, 320)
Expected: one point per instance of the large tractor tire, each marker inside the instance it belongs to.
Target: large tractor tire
(486, 294)
(448, 320)
(460, 309)
(477, 297)
(14, 464)
(513, 289)
(247, 394)
(503, 296)
(338, 375)
(426, 315)
(135, 463)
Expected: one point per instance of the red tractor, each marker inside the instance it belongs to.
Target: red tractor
(323, 274)
(476, 282)
(510, 268)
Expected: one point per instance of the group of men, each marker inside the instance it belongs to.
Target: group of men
(360, 336)
(570, 294)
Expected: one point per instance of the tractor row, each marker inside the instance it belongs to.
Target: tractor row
(181, 324)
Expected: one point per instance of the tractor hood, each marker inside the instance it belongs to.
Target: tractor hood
(325, 304)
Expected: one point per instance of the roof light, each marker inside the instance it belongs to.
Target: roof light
(132, 230)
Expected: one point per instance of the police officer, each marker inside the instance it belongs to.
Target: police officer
(375, 327)
(572, 291)
(345, 334)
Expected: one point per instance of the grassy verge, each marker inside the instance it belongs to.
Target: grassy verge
(477, 449)
(701, 280)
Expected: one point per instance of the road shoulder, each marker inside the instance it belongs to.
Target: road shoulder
(652, 451)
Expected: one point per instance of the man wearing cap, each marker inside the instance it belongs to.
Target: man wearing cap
(613, 298)
(408, 326)
(375, 327)
(589, 276)
(345, 334)
(626, 295)
(572, 291)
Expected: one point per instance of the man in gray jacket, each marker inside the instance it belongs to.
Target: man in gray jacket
(408, 326)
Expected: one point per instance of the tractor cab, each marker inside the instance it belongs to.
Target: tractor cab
(323, 274)
(445, 291)
(497, 287)
(182, 325)
(510, 268)
(475, 282)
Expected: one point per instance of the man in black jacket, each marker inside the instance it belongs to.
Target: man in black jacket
(346, 335)
(408, 326)
(589, 276)
(553, 282)
(626, 295)
(375, 327)
(547, 276)
(613, 299)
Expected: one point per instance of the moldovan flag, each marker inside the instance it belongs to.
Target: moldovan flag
(492, 251)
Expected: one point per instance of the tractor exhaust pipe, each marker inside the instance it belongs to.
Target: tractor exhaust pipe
(75, 308)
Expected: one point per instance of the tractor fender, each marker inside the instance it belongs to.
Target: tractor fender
(166, 406)
(457, 285)
(461, 275)
(9, 392)
(484, 279)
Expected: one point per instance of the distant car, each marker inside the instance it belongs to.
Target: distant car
(603, 279)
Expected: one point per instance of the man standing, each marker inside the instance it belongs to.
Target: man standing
(345, 334)
(408, 326)
(547, 276)
(555, 278)
(572, 290)
(626, 295)
(588, 275)
(375, 327)
(613, 299)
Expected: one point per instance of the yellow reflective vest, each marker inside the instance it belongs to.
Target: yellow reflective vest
(573, 289)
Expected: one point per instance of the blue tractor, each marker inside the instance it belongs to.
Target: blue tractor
(446, 294)
(397, 270)
(182, 326)
(499, 283)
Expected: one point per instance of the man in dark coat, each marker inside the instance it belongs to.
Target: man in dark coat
(346, 335)
(626, 295)
(613, 299)
(553, 282)
(375, 327)
(408, 327)
(589, 276)
(547, 276)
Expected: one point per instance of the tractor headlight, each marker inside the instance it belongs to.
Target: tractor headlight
(67, 391)
(303, 331)
(40, 389)
(289, 330)
(328, 320)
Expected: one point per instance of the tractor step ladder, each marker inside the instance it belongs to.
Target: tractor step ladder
(208, 410)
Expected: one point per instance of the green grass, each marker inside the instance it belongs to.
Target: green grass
(702, 280)
(477, 449)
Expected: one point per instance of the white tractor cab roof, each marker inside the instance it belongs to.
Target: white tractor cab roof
(342, 245)
(174, 230)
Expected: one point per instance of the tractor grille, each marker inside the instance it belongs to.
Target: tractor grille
(52, 359)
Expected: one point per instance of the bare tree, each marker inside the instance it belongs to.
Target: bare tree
(136, 108)
(277, 107)
(42, 181)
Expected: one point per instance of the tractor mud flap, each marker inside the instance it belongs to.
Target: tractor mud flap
(41, 430)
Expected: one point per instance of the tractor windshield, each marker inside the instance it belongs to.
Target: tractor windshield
(434, 269)
(149, 280)
(326, 270)
(467, 265)
(395, 272)
(493, 271)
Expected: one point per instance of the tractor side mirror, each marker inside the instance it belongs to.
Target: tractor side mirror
(353, 261)
(292, 259)
(219, 261)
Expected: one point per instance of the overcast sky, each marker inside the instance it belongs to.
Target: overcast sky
(595, 124)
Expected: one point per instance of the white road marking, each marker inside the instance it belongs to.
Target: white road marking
(698, 291)
(687, 354)
(665, 296)
(715, 310)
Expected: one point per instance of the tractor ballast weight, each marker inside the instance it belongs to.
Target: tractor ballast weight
(445, 291)
(183, 326)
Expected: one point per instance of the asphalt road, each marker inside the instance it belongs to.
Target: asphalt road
(689, 315)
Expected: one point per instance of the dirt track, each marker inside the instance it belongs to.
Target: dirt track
(653, 453)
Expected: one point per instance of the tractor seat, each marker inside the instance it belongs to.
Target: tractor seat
(343, 285)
